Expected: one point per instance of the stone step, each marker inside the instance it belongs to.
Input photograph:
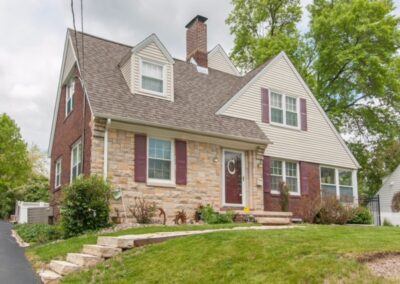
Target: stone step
(101, 251)
(259, 213)
(273, 220)
(49, 277)
(82, 259)
(115, 242)
(64, 267)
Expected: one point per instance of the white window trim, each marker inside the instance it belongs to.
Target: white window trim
(68, 96)
(337, 185)
(76, 144)
(298, 193)
(161, 182)
(58, 165)
(283, 124)
(244, 178)
(162, 65)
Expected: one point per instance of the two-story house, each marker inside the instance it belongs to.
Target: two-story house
(194, 131)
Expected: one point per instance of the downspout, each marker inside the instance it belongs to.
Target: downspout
(105, 156)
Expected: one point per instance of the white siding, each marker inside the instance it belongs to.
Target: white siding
(319, 144)
(69, 62)
(390, 187)
(219, 61)
(152, 52)
(126, 70)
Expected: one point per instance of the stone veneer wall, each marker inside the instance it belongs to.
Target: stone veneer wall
(203, 175)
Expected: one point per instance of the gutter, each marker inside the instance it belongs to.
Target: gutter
(105, 155)
(265, 141)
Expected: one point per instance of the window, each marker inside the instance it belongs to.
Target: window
(284, 110)
(152, 77)
(337, 182)
(287, 172)
(70, 95)
(57, 180)
(76, 160)
(160, 160)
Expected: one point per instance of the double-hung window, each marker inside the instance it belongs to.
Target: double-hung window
(160, 160)
(287, 172)
(152, 77)
(337, 182)
(76, 160)
(70, 91)
(284, 110)
(57, 178)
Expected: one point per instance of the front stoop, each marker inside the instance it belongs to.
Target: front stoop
(273, 220)
(108, 247)
(49, 277)
(101, 251)
(85, 260)
(64, 267)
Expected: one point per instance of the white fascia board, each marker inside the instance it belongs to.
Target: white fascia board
(219, 48)
(153, 39)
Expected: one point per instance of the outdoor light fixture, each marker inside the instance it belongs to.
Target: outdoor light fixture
(215, 159)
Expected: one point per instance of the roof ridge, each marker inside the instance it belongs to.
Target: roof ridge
(101, 38)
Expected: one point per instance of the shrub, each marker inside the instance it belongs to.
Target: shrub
(284, 196)
(361, 215)
(387, 223)
(333, 212)
(209, 216)
(84, 206)
(143, 211)
(310, 206)
(38, 233)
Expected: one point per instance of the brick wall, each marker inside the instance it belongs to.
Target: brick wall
(297, 203)
(68, 130)
(196, 43)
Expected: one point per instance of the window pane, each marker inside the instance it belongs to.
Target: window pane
(328, 191)
(328, 176)
(345, 178)
(276, 100)
(159, 169)
(346, 194)
(275, 182)
(292, 184)
(276, 115)
(152, 84)
(291, 118)
(291, 104)
(291, 169)
(160, 149)
(152, 70)
(276, 167)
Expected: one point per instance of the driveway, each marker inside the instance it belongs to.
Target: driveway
(14, 267)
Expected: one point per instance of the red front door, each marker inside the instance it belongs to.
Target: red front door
(233, 177)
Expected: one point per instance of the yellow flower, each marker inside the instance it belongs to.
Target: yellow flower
(246, 210)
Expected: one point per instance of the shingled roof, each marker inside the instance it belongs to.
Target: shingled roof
(197, 96)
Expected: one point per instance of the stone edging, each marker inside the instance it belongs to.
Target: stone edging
(18, 239)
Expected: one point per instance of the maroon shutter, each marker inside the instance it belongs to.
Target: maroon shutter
(267, 174)
(181, 162)
(264, 105)
(140, 157)
(303, 114)
(304, 174)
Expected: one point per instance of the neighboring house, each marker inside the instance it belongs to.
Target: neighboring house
(390, 188)
(189, 132)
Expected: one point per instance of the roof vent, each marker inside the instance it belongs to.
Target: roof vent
(202, 70)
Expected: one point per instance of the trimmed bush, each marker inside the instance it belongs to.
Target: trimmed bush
(209, 216)
(38, 233)
(84, 206)
(361, 215)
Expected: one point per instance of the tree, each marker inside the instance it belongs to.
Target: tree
(14, 163)
(262, 29)
(39, 161)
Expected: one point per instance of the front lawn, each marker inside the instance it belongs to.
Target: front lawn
(41, 254)
(310, 254)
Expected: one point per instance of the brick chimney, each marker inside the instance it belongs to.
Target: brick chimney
(196, 41)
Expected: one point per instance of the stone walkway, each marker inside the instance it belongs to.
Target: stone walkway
(108, 247)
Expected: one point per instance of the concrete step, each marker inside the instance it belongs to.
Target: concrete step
(49, 277)
(101, 251)
(64, 267)
(82, 259)
(115, 242)
(273, 220)
(259, 213)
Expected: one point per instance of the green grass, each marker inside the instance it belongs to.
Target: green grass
(312, 254)
(58, 250)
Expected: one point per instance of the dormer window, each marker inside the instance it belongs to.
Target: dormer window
(152, 77)
(70, 96)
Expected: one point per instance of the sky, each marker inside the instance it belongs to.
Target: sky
(33, 34)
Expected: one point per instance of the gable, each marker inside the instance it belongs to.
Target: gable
(219, 60)
(390, 186)
(320, 144)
